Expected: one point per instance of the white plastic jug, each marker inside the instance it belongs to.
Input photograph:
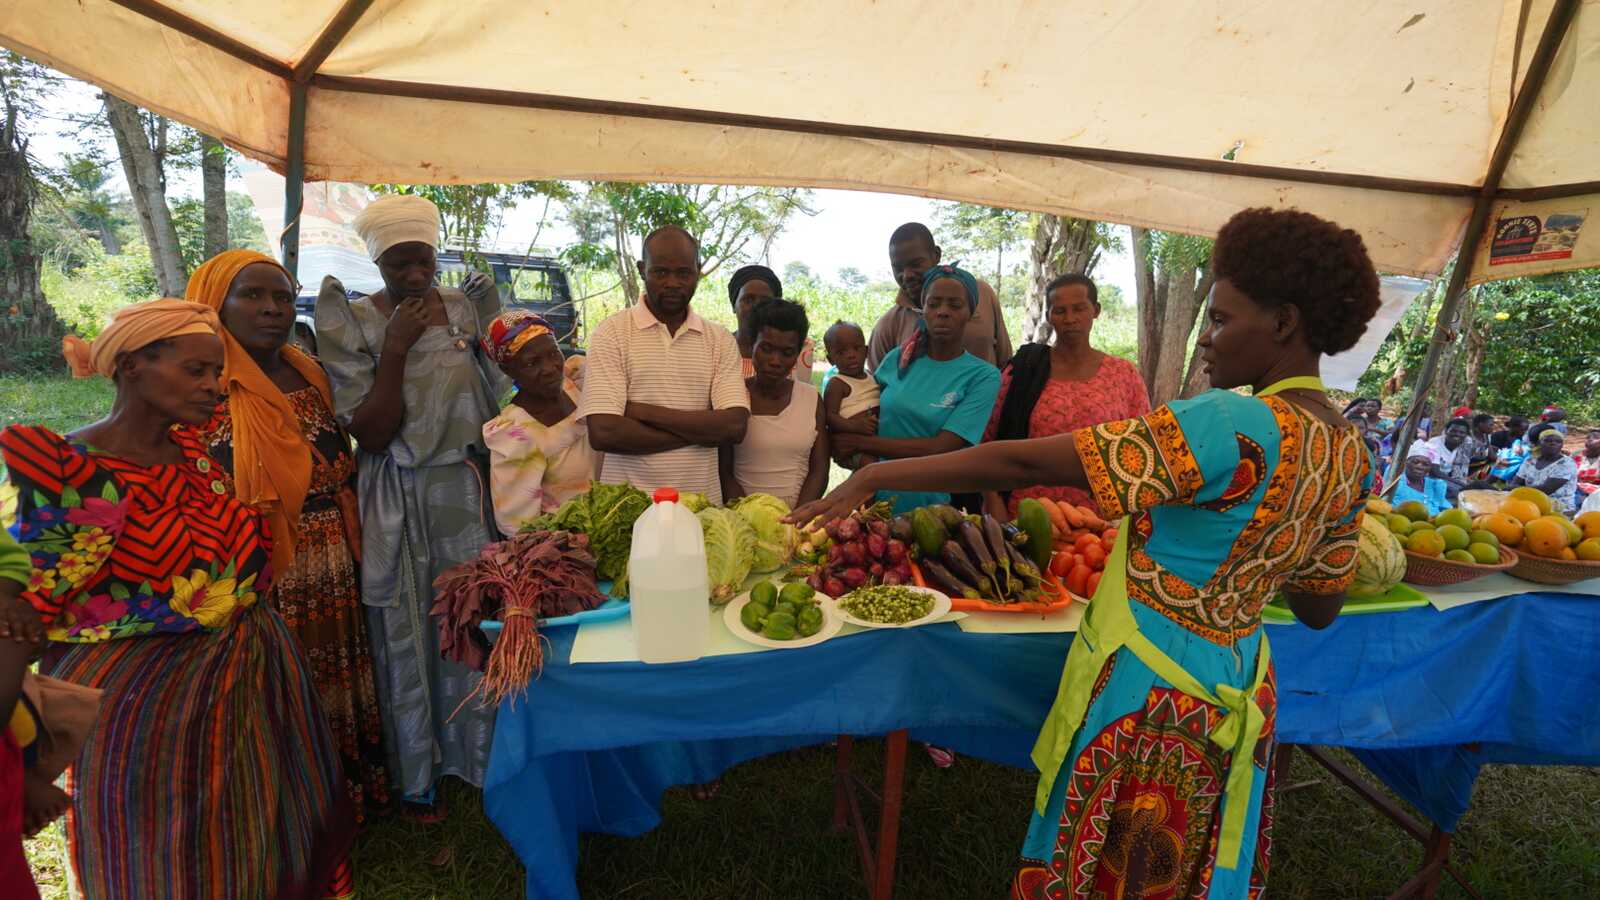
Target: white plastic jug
(667, 586)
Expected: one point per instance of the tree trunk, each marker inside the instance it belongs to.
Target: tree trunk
(1397, 379)
(1169, 300)
(1197, 381)
(214, 192)
(1036, 318)
(29, 329)
(108, 239)
(1151, 307)
(141, 163)
(625, 264)
(1444, 392)
(1181, 308)
(1477, 344)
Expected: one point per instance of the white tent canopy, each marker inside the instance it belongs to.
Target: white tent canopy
(1394, 119)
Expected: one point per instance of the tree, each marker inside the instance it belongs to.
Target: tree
(214, 193)
(798, 273)
(1060, 245)
(968, 233)
(853, 278)
(189, 217)
(732, 223)
(94, 208)
(142, 142)
(29, 329)
(1172, 275)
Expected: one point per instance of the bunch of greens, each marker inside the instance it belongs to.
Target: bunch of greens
(606, 513)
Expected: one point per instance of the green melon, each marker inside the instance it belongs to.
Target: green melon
(1380, 561)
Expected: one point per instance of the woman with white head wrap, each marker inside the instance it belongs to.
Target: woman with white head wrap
(411, 383)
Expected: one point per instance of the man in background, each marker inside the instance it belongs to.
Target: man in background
(912, 253)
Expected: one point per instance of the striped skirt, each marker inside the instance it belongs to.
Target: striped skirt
(210, 772)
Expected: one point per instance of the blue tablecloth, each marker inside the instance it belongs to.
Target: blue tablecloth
(1423, 697)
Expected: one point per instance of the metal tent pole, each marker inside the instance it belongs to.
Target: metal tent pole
(294, 178)
(1561, 16)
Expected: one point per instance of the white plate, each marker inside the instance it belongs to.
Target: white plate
(831, 623)
(941, 607)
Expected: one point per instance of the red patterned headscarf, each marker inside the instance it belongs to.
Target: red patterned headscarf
(511, 331)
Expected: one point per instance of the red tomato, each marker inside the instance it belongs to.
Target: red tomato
(1093, 583)
(1095, 556)
(1078, 579)
(1084, 540)
(1061, 564)
(1107, 542)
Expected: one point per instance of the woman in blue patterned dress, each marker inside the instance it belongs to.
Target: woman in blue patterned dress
(1155, 760)
(414, 388)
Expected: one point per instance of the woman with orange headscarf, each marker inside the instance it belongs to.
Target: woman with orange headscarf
(209, 770)
(275, 432)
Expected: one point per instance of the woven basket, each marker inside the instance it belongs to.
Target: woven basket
(1427, 571)
(1554, 571)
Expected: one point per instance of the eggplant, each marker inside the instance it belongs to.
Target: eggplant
(1014, 534)
(971, 540)
(958, 562)
(990, 529)
(1024, 568)
(946, 581)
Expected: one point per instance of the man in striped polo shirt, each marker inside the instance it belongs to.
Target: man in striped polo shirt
(662, 387)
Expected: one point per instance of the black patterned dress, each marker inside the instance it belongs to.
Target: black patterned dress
(319, 597)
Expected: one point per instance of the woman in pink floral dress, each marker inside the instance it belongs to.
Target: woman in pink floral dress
(1058, 389)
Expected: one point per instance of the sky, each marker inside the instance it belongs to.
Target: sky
(850, 228)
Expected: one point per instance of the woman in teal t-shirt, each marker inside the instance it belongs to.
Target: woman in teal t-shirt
(936, 396)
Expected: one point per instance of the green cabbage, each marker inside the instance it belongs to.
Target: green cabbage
(775, 540)
(730, 550)
(693, 501)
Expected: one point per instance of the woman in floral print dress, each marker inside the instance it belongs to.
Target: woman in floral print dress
(271, 386)
(1058, 389)
(1156, 758)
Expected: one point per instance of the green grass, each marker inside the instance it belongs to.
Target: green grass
(59, 403)
(1532, 832)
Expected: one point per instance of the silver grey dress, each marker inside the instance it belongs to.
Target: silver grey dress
(423, 509)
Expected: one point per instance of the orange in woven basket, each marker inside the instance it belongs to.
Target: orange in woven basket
(1429, 571)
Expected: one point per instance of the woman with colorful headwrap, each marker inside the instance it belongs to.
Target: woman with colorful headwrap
(539, 454)
(936, 396)
(276, 434)
(749, 286)
(210, 771)
(412, 383)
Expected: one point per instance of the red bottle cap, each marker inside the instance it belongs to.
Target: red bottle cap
(665, 495)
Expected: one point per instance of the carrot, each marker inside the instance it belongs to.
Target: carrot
(1057, 521)
(1091, 519)
(1071, 514)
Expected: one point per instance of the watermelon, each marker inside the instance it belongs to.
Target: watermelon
(1380, 561)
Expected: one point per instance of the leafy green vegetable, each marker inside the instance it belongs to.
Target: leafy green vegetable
(606, 513)
(730, 549)
(775, 541)
(693, 501)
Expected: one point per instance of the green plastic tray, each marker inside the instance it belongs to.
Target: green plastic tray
(1401, 596)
